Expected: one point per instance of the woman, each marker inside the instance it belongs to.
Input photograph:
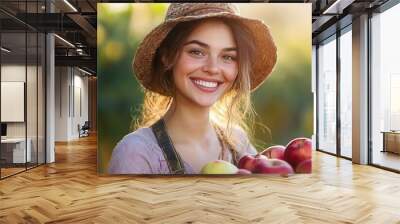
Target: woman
(198, 69)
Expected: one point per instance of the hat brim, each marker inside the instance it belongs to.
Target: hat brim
(264, 60)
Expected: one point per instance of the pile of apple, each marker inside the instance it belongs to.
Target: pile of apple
(294, 158)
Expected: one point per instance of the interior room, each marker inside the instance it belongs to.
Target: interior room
(51, 125)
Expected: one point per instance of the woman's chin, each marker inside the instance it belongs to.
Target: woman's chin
(205, 102)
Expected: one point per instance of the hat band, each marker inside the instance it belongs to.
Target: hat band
(204, 11)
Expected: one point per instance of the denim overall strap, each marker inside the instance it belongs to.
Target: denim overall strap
(174, 161)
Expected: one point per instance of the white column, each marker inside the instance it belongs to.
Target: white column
(50, 93)
(360, 90)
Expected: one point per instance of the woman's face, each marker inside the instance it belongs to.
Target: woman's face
(207, 64)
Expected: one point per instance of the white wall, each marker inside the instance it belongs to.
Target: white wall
(71, 94)
(61, 103)
(80, 110)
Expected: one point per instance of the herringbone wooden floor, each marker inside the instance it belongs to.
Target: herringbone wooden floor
(70, 191)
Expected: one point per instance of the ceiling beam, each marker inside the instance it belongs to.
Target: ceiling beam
(83, 61)
(337, 7)
(83, 23)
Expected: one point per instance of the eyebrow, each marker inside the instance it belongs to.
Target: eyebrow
(206, 45)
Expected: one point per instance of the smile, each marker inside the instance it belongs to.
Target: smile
(205, 86)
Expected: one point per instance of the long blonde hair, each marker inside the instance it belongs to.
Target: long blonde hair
(234, 109)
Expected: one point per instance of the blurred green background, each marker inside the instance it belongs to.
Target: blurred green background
(284, 103)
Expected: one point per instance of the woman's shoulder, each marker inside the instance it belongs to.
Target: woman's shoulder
(136, 152)
(141, 141)
(142, 136)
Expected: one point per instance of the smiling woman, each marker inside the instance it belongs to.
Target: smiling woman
(198, 69)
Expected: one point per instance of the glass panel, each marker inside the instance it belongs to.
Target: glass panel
(41, 99)
(13, 87)
(346, 94)
(31, 100)
(386, 89)
(31, 86)
(327, 96)
(23, 88)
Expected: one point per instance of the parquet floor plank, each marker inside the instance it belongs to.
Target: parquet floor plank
(70, 191)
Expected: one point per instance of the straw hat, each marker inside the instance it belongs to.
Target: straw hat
(265, 55)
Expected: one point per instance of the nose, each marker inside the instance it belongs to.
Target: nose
(211, 66)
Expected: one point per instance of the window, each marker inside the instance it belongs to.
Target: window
(385, 88)
(346, 92)
(327, 95)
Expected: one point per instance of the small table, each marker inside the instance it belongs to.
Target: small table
(16, 147)
(391, 141)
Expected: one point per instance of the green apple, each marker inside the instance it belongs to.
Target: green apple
(219, 167)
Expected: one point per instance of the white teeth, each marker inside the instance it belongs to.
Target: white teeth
(205, 83)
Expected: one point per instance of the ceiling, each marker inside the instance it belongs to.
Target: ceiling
(76, 22)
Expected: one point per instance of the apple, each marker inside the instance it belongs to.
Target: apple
(272, 166)
(304, 167)
(219, 167)
(243, 171)
(298, 150)
(259, 156)
(274, 152)
(246, 162)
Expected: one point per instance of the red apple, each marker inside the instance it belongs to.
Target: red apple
(243, 171)
(246, 162)
(259, 156)
(304, 167)
(272, 166)
(256, 160)
(298, 150)
(274, 152)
